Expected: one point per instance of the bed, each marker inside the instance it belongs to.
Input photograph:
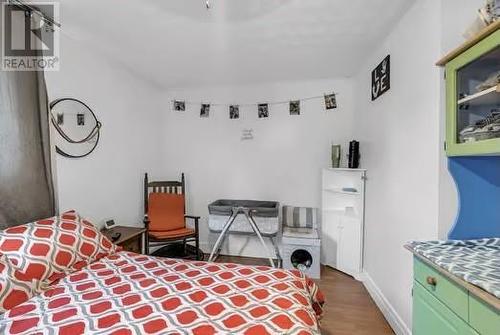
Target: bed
(117, 292)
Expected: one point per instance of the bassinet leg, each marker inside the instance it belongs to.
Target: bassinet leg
(220, 239)
(257, 232)
(277, 251)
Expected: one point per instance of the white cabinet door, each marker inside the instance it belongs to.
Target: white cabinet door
(330, 239)
(349, 257)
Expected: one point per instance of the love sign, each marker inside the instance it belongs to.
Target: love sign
(381, 78)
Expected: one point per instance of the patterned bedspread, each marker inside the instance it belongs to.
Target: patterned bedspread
(127, 293)
(475, 261)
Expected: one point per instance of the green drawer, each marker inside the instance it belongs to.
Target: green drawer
(432, 317)
(484, 318)
(452, 295)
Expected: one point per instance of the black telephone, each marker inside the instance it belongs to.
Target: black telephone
(116, 236)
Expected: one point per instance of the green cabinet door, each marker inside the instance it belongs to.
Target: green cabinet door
(463, 73)
(484, 318)
(432, 317)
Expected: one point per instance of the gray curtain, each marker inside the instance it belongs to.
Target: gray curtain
(26, 188)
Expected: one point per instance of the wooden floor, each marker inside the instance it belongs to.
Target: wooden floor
(349, 309)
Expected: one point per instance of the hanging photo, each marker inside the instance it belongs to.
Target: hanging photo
(295, 107)
(80, 119)
(179, 106)
(263, 110)
(205, 110)
(234, 112)
(330, 101)
(60, 119)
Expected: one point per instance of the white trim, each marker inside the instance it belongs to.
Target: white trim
(345, 169)
(205, 246)
(391, 315)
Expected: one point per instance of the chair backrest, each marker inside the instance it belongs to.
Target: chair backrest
(165, 204)
(169, 187)
(300, 217)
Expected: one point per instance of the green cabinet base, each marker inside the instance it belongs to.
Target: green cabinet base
(432, 317)
(443, 307)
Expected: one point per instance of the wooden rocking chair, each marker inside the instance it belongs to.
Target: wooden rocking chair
(165, 214)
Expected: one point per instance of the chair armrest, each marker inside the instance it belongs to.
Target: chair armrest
(196, 221)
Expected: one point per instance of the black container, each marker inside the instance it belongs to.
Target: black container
(353, 154)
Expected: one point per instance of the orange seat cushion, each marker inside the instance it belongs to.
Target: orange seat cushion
(161, 235)
(166, 212)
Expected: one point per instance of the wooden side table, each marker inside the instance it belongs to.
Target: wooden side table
(131, 237)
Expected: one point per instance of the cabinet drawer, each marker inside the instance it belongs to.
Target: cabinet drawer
(452, 295)
(484, 318)
(432, 317)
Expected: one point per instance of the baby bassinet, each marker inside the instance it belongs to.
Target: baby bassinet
(253, 217)
(264, 213)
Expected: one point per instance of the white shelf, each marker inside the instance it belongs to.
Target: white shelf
(341, 212)
(486, 97)
(339, 190)
(345, 169)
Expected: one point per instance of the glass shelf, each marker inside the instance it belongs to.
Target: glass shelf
(478, 99)
(485, 97)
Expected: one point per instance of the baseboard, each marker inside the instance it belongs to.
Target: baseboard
(390, 314)
(205, 247)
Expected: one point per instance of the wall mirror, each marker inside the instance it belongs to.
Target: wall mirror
(77, 127)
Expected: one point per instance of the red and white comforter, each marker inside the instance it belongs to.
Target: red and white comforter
(128, 293)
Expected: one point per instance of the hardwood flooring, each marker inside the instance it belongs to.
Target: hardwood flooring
(349, 309)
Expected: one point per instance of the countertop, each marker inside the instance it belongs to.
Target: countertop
(472, 264)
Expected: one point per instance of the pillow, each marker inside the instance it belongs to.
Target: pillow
(48, 249)
(15, 287)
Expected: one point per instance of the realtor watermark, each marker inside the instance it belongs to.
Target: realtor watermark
(30, 41)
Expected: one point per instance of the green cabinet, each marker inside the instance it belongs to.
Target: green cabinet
(452, 295)
(483, 318)
(443, 307)
(473, 100)
(432, 317)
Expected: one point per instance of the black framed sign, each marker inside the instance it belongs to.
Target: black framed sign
(381, 78)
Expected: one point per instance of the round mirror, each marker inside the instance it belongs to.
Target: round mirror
(77, 128)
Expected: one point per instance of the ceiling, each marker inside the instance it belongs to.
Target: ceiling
(179, 43)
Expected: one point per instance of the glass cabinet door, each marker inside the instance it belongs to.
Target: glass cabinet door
(478, 99)
(473, 100)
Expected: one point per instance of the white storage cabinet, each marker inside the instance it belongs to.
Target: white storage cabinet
(342, 228)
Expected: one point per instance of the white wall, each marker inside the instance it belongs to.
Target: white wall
(282, 162)
(108, 183)
(399, 135)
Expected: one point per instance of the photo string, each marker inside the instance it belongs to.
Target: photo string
(330, 102)
(282, 102)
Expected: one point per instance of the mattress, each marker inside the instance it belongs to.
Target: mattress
(475, 261)
(258, 208)
(128, 293)
(264, 213)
